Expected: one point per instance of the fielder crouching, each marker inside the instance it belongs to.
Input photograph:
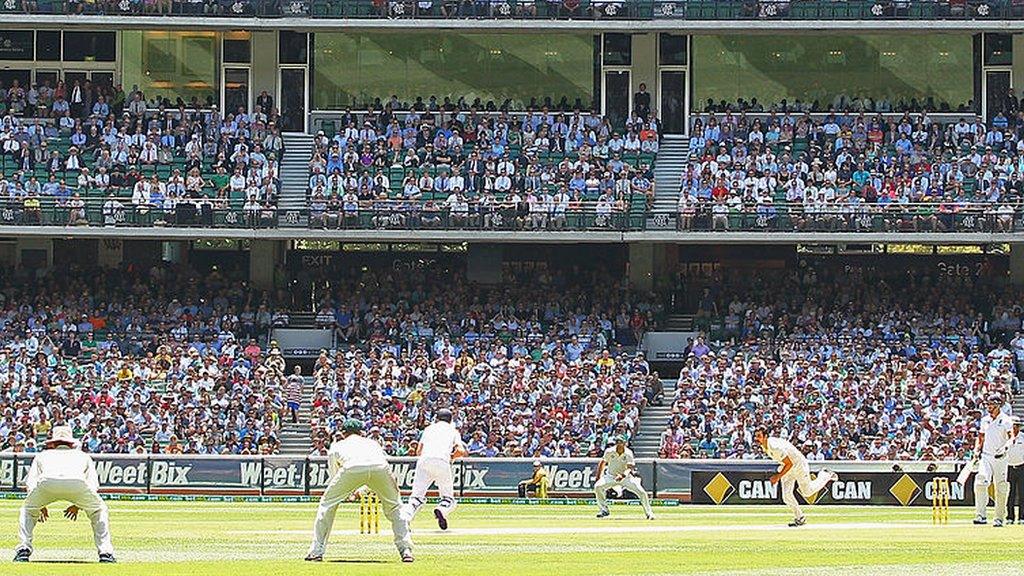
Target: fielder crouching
(354, 462)
(617, 468)
(63, 472)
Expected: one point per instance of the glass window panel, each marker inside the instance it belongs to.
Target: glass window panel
(671, 49)
(90, 47)
(998, 49)
(618, 49)
(47, 77)
(237, 50)
(171, 65)
(900, 69)
(292, 47)
(16, 44)
(9, 76)
(353, 69)
(48, 45)
(236, 90)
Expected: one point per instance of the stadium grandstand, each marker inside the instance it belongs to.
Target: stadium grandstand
(570, 220)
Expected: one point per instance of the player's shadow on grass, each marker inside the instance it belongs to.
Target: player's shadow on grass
(63, 562)
(355, 561)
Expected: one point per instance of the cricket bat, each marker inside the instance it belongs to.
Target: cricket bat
(965, 473)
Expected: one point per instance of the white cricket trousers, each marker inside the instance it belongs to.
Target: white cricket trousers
(799, 477)
(342, 485)
(628, 482)
(76, 492)
(432, 471)
(991, 470)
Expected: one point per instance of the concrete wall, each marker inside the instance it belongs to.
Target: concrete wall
(484, 263)
(645, 65)
(1018, 63)
(31, 245)
(642, 265)
(1017, 261)
(264, 64)
(264, 255)
(111, 252)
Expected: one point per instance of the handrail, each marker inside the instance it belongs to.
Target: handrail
(694, 10)
(397, 214)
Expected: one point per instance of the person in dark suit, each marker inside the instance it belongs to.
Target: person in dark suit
(265, 102)
(642, 102)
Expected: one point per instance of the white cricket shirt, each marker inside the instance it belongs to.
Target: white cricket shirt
(439, 441)
(355, 450)
(615, 463)
(62, 464)
(779, 449)
(998, 432)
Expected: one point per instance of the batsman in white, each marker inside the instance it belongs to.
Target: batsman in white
(617, 468)
(63, 472)
(793, 472)
(994, 435)
(354, 462)
(439, 443)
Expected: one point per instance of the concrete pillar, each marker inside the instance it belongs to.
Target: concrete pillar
(35, 252)
(264, 255)
(111, 252)
(484, 263)
(642, 265)
(645, 65)
(264, 64)
(175, 251)
(1017, 68)
(1017, 264)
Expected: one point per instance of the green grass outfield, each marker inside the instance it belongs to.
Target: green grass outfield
(253, 539)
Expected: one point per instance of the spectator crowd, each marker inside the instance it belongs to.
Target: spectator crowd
(436, 161)
(137, 361)
(848, 364)
(526, 375)
(94, 146)
(790, 170)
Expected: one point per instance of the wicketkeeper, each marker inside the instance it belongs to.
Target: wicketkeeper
(63, 472)
(354, 462)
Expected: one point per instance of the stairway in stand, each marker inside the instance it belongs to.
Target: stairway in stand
(653, 421)
(295, 439)
(303, 319)
(669, 165)
(678, 323)
(295, 178)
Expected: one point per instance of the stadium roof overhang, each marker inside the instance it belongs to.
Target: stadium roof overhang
(512, 25)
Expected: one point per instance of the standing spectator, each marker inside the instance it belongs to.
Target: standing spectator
(293, 392)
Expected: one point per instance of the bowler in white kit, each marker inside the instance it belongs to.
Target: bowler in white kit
(354, 462)
(793, 472)
(440, 442)
(994, 436)
(617, 468)
(62, 472)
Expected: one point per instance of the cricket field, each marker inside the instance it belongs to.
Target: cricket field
(254, 539)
